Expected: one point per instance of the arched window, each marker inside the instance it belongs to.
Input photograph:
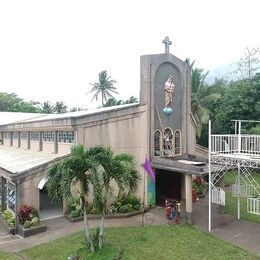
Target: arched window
(157, 143)
(167, 141)
(177, 142)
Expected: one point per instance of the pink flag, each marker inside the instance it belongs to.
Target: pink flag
(148, 168)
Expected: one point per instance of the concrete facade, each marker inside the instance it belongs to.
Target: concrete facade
(125, 128)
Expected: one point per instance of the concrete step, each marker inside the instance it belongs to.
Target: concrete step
(8, 238)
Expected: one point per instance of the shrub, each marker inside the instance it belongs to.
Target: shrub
(9, 217)
(28, 216)
(76, 213)
(35, 221)
(25, 213)
(27, 224)
(123, 209)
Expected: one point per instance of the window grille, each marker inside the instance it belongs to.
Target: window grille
(66, 137)
(48, 136)
(24, 136)
(177, 142)
(157, 142)
(35, 136)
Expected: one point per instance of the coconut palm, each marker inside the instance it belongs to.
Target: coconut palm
(60, 107)
(47, 107)
(77, 169)
(103, 87)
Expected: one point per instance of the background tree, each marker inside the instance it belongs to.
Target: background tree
(113, 102)
(60, 107)
(10, 102)
(249, 64)
(47, 107)
(103, 87)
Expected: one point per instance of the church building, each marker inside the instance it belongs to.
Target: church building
(160, 127)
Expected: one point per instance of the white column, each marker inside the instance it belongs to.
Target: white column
(209, 149)
(188, 194)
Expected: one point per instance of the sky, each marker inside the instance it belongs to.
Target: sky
(52, 50)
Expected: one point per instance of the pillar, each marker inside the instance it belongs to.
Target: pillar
(28, 140)
(19, 140)
(188, 194)
(40, 141)
(55, 142)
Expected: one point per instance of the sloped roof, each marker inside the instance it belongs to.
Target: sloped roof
(17, 117)
(18, 160)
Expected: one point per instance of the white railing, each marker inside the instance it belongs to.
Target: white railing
(250, 144)
(243, 190)
(228, 144)
(218, 196)
(253, 205)
(224, 143)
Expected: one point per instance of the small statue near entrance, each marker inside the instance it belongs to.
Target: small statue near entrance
(168, 95)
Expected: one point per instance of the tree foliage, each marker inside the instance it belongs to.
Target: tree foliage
(103, 87)
(98, 167)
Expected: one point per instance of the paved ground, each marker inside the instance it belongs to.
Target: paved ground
(244, 234)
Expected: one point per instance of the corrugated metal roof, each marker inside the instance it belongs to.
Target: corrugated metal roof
(16, 160)
(17, 117)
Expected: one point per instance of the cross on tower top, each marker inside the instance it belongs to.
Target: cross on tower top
(167, 43)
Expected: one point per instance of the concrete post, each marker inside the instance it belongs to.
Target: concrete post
(28, 140)
(188, 193)
(40, 141)
(55, 141)
(2, 138)
(19, 140)
(11, 138)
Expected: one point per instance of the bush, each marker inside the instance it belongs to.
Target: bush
(27, 224)
(28, 216)
(123, 209)
(25, 213)
(76, 213)
(9, 217)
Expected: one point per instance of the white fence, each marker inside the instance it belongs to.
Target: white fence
(228, 144)
(218, 196)
(253, 205)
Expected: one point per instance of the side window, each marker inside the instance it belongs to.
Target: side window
(157, 143)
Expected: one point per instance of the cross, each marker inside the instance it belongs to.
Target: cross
(167, 43)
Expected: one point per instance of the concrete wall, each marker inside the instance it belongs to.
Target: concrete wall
(64, 148)
(34, 145)
(24, 144)
(125, 132)
(28, 192)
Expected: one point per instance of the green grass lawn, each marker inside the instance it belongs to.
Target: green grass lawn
(231, 203)
(6, 256)
(158, 242)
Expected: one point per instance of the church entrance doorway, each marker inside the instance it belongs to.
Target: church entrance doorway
(48, 208)
(168, 186)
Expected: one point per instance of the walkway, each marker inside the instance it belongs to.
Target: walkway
(244, 234)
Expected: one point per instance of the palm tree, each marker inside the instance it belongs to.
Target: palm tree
(199, 92)
(121, 169)
(47, 107)
(113, 102)
(60, 107)
(96, 166)
(77, 169)
(104, 86)
(131, 100)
